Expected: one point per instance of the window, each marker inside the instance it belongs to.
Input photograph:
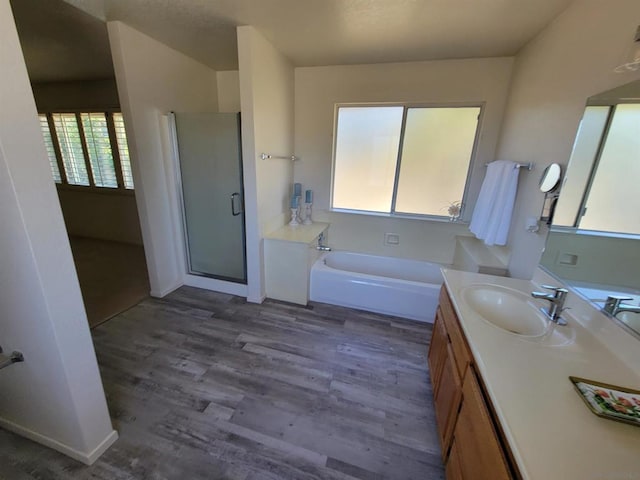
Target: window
(48, 143)
(87, 149)
(604, 165)
(399, 159)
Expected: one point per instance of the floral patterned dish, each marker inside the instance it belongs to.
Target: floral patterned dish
(610, 401)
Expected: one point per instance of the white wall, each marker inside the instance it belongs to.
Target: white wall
(267, 96)
(228, 91)
(153, 80)
(600, 259)
(84, 95)
(571, 60)
(318, 89)
(56, 396)
(102, 215)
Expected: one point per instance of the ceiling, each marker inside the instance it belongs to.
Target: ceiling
(308, 32)
(626, 92)
(60, 42)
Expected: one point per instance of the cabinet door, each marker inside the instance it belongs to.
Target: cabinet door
(437, 350)
(480, 455)
(453, 467)
(456, 337)
(447, 400)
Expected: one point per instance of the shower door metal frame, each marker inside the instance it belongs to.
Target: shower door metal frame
(183, 216)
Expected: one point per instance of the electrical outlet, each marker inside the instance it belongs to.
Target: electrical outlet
(392, 239)
(567, 259)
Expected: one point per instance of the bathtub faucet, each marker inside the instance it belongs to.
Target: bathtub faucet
(321, 246)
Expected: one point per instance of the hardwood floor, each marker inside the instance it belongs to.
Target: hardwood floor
(113, 276)
(203, 385)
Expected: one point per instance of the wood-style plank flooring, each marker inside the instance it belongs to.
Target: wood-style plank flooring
(203, 385)
(113, 276)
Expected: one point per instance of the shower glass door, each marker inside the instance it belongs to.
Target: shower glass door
(210, 164)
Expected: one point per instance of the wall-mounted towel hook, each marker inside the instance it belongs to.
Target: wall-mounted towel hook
(265, 156)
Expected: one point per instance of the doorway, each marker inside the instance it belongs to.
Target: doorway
(211, 191)
(68, 59)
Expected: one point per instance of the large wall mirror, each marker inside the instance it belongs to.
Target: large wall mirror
(594, 241)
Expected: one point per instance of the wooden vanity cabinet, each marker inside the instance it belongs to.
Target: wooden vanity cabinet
(437, 350)
(448, 397)
(478, 453)
(448, 359)
(471, 445)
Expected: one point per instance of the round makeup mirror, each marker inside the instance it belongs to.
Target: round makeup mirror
(550, 178)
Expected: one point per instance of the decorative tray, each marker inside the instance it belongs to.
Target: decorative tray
(610, 401)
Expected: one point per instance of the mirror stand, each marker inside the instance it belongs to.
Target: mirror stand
(549, 207)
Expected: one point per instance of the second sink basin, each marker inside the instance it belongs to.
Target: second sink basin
(505, 308)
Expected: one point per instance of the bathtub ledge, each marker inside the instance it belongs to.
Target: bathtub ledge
(298, 234)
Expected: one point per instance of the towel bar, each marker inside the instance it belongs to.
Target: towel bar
(265, 156)
(526, 166)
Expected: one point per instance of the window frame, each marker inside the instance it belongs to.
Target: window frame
(115, 152)
(593, 171)
(406, 106)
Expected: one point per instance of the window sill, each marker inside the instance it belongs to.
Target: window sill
(596, 233)
(99, 190)
(428, 218)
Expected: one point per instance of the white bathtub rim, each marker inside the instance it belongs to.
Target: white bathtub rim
(320, 264)
(396, 297)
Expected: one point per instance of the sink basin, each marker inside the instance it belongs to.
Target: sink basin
(507, 309)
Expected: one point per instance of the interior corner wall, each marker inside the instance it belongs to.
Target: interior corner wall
(318, 89)
(153, 80)
(569, 61)
(267, 106)
(55, 396)
(228, 91)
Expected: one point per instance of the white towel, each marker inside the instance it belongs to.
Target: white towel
(492, 215)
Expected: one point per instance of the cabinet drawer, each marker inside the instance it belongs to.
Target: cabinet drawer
(462, 355)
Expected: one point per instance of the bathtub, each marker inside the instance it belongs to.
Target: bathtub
(393, 286)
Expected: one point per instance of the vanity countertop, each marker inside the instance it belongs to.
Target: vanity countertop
(298, 233)
(551, 432)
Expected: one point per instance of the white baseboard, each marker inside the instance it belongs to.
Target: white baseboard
(165, 292)
(97, 452)
(85, 457)
(258, 299)
(216, 285)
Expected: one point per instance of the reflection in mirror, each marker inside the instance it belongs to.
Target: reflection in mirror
(594, 242)
(550, 178)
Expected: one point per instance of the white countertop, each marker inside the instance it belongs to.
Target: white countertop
(551, 432)
(299, 233)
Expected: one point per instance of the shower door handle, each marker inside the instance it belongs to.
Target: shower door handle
(233, 204)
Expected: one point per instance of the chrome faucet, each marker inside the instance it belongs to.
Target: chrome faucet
(557, 299)
(321, 246)
(614, 305)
